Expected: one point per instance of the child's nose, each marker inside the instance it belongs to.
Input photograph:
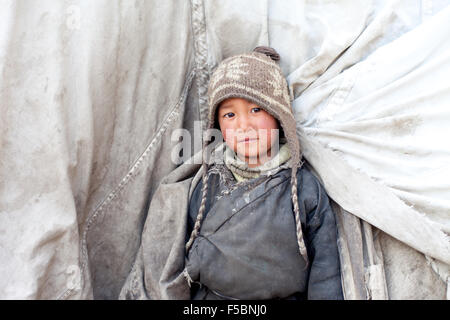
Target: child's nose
(244, 122)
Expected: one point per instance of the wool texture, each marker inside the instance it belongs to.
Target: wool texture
(241, 171)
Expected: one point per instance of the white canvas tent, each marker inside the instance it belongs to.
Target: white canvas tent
(90, 92)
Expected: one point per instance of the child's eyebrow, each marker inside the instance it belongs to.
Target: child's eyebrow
(226, 105)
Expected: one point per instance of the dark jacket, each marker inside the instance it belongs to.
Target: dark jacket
(247, 247)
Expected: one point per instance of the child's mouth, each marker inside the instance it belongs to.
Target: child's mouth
(248, 140)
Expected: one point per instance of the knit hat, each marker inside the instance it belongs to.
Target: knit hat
(256, 77)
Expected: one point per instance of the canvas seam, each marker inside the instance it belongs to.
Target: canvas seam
(173, 114)
(201, 57)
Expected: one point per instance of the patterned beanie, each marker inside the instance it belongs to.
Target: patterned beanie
(256, 77)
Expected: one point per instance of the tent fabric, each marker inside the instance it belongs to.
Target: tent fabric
(91, 92)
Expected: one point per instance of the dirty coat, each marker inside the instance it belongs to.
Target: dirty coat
(247, 246)
(92, 92)
(159, 271)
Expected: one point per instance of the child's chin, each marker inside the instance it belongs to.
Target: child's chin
(250, 158)
(252, 152)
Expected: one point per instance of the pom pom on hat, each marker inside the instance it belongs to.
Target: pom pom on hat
(268, 51)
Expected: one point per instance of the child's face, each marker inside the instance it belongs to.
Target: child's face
(248, 130)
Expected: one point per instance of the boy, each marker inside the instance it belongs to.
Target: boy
(260, 225)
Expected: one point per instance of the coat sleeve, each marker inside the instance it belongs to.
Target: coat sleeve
(321, 237)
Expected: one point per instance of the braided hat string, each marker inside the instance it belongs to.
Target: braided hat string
(298, 224)
(201, 210)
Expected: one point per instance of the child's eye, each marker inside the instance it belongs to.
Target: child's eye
(256, 109)
(228, 115)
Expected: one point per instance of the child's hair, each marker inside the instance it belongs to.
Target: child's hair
(254, 76)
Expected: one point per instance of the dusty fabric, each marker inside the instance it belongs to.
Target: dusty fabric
(87, 116)
(413, 165)
(157, 272)
(91, 92)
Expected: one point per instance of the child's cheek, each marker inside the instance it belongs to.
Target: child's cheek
(230, 138)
